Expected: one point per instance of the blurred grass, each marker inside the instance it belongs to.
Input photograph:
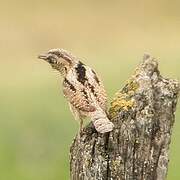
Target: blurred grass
(36, 126)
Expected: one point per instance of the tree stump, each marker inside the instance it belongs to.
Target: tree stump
(137, 149)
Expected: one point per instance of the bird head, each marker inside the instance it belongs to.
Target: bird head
(59, 59)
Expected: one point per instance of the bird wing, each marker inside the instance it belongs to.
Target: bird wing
(97, 89)
(77, 95)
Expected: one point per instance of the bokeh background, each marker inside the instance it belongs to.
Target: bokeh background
(36, 126)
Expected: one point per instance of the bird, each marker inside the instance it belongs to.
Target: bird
(82, 88)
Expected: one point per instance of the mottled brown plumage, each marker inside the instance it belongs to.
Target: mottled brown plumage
(82, 88)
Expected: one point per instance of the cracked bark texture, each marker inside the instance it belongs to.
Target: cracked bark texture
(143, 113)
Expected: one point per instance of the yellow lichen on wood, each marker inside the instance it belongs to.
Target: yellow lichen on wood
(120, 103)
(123, 100)
(133, 85)
(124, 104)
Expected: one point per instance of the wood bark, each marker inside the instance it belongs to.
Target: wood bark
(143, 113)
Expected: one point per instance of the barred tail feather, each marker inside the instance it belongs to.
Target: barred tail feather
(101, 123)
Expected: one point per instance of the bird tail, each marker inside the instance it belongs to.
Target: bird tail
(101, 122)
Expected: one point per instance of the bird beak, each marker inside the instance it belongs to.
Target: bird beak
(43, 56)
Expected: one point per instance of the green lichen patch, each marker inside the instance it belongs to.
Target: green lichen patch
(130, 87)
(115, 164)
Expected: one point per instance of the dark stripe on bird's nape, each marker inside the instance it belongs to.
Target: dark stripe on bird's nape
(95, 77)
(70, 85)
(81, 73)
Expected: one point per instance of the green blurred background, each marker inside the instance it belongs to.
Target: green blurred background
(36, 126)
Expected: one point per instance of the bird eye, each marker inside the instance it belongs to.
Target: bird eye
(52, 61)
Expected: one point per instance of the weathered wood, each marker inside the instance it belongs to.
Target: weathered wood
(137, 148)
